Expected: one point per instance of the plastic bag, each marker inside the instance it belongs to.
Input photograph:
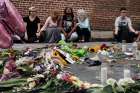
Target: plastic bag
(11, 23)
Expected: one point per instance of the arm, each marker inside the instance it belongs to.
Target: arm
(38, 30)
(73, 29)
(130, 26)
(116, 26)
(38, 25)
(46, 24)
(25, 35)
(61, 26)
(75, 24)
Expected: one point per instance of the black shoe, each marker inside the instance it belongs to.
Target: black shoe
(92, 62)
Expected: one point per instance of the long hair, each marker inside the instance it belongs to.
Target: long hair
(65, 11)
(55, 15)
(81, 14)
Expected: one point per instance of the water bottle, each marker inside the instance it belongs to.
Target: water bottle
(135, 48)
(127, 71)
(104, 74)
(124, 46)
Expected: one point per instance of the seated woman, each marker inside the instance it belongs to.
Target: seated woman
(124, 29)
(83, 26)
(67, 24)
(32, 23)
(52, 28)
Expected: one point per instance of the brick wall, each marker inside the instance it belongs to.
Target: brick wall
(101, 12)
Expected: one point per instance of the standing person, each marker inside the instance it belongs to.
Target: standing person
(32, 23)
(124, 29)
(52, 28)
(83, 26)
(68, 24)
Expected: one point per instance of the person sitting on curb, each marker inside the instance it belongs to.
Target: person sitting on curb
(124, 29)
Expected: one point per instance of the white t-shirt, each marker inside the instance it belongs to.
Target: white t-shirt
(84, 24)
(125, 21)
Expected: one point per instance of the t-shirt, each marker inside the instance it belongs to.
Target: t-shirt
(32, 26)
(123, 22)
(84, 24)
(49, 23)
(68, 22)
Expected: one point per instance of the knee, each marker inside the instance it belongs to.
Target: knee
(63, 37)
(74, 36)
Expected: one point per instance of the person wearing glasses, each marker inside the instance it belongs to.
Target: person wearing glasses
(124, 29)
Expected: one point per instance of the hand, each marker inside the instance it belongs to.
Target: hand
(77, 24)
(116, 33)
(69, 34)
(65, 34)
(136, 32)
(38, 34)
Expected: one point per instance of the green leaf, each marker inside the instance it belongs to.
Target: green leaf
(13, 81)
(9, 84)
(108, 89)
(95, 90)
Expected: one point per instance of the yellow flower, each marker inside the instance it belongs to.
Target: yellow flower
(31, 83)
(95, 48)
(76, 81)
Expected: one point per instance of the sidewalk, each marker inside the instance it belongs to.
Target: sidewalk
(97, 35)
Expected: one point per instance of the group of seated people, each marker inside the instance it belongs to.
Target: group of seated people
(73, 28)
(66, 27)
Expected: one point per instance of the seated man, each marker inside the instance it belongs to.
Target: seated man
(124, 29)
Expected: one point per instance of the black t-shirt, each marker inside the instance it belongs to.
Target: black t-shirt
(68, 22)
(32, 26)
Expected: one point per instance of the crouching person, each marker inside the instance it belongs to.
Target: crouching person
(51, 28)
(68, 23)
(83, 26)
(124, 29)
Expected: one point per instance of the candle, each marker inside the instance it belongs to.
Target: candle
(103, 75)
(127, 73)
(137, 55)
(124, 48)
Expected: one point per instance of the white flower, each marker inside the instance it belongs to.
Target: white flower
(105, 53)
(23, 60)
(111, 81)
(120, 89)
(40, 76)
(97, 86)
(1, 62)
(125, 81)
(59, 76)
(37, 68)
(20, 61)
(129, 80)
(30, 79)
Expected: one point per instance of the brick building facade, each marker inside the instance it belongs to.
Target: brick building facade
(102, 12)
